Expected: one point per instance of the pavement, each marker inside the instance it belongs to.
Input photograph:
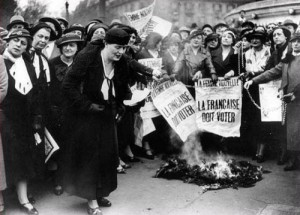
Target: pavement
(139, 193)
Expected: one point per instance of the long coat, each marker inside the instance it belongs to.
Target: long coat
(22, 157)
(91, 156)
(3, 92)
(290, 83)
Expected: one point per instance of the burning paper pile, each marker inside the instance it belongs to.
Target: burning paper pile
(212, 175)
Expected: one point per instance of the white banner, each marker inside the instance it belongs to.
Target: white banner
(271, 105)
(177, 106)
(140, 18)
(219, 106)
(159, 25)
(149, 110)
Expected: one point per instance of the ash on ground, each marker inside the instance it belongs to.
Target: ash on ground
(212, 175)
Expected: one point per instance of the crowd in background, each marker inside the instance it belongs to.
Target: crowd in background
(71, 81)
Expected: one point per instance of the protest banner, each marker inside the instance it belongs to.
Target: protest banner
(50, 145)
(177, 106)
(219, 106)
(140, 18)
(158, 25)
(149, 110)
(271, 105)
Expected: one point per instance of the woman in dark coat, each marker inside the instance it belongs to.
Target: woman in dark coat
(288, 70)
(91, 156)
(20, 124)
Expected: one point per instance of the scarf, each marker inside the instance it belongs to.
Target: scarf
(19, 72)
(107, 87)
(36, 64)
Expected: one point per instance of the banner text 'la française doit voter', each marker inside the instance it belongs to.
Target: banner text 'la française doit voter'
(177, 106)
(219, 106)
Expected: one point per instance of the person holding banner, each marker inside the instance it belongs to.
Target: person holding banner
(255, 59)
(288, 70)
(194, 62)
(91, 153)
(20, 124)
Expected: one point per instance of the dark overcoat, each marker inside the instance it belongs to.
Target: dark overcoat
(91, 156)
(285, 71)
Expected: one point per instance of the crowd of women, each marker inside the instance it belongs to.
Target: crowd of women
(72, 81)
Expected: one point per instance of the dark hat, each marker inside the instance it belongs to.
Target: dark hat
(296, 36)
(41, 25)
(256, 34)
(285, 31)
(93, 28)
(56, 24)
(195, 34)
(63, 20)
(207, 26)
(16, 19)
(290, 22)
(91, 23)
(18, 33)
(74, 27)
(3, 32)
(244, 32)
(248, 23)
(129, 29)
(117, 36)
(221, 24)
(68, 38)
(211, 37)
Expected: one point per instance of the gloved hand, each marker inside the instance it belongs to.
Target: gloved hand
(197, 76)
(229, 74)
(37, 122)
(94, 108)
(214, 78)
(288, 98)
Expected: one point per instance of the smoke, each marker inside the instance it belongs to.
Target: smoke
(192, 151)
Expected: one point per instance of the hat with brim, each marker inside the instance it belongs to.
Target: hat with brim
(93, 28)
(195, 34)
(184, 28)
(219, 25)
(17, 19)
(290, 22)
(18, 33)
(296, 36)
(248, 23)
(256, 34)
(244, 32)
(117, 36)
(285, 31)
(56, 24)
(3, 32)
(69, 38)
(41, 25)
(207, 26)
(63, 20)
(75, 27)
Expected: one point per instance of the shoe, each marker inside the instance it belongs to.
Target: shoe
(292, 165)
(260, 159)
(103, 202)
(94, 211)
(32, 211)
(31, 200)
(148, 154)
(121, 170)
(2, 209)
(58, 190)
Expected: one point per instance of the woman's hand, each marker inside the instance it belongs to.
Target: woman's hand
(214, 78)
(248, 84)
(96, 108)
(287, 98)
(197, 76)
(229, 75)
